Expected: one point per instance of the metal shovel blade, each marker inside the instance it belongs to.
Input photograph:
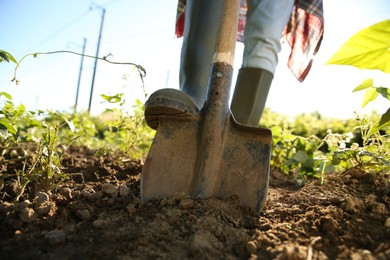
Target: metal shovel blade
(242, 170)
(211, 155)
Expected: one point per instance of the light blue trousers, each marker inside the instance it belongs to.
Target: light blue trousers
(266, 20)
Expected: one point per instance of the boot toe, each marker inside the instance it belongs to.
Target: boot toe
(169, 104)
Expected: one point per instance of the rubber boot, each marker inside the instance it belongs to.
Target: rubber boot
(200, 35)
(250, 95)
(169, 103)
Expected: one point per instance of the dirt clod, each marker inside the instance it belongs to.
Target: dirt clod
(28, 215)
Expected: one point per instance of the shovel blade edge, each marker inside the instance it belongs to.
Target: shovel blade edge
(246, 168)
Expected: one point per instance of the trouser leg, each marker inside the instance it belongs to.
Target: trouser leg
(200, 33)
(266, 20)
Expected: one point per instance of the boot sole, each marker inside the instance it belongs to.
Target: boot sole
(171, 104)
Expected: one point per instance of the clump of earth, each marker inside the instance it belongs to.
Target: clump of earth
(97, 214)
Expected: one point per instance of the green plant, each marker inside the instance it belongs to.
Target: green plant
(372, 155)
(81, 128)
(369, 49)
(128, 130)
(5, 56)
(315, 156)
(16, 122)
(371, 93)
(53, 132)
(45, 170)
(301, 156)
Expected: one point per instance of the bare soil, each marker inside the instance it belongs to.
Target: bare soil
(98, 215)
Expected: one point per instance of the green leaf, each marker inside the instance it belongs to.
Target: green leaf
(368, 83)
(383, 122)
(330, 168)
(378, 157)
(326, 167)
(112, 99)
(4, 133)
(6, 95)
(385, 118)
(70, 125)
(3, 56)
(385, 92)
(370, 95)
(367, 49)
(300, 156)
(10, 128)
(7, 57)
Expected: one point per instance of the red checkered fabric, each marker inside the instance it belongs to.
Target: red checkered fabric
(304, 32)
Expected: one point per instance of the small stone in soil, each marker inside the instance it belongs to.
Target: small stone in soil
(110, 190)
(41, 197)
(24, 204)
(28, 215)
(44, 208)
(83, 214)
(123, 191)
(379, 208)
(251, 247)
(387, 223)
(131, 208)
(186, 204)
(98, 223)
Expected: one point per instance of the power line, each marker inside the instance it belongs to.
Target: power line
(60, 30)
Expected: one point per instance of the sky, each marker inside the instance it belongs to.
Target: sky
(142, 32)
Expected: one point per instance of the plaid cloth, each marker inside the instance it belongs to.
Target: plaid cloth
(304, 32)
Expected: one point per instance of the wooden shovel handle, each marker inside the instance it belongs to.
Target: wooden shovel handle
(226, 41)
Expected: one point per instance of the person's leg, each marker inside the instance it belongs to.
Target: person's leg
(202, 20)
(265, 22)
(200, 33)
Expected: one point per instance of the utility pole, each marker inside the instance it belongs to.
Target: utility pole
(79, 80)
(96, 60)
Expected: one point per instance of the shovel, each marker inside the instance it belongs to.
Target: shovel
(211, 155)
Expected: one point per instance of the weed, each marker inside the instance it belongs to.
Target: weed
(16, 123)
(306, 157)
(129, 131)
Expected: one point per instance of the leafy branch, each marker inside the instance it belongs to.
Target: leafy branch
(8, 57)
(369, 49)
(372, 92)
